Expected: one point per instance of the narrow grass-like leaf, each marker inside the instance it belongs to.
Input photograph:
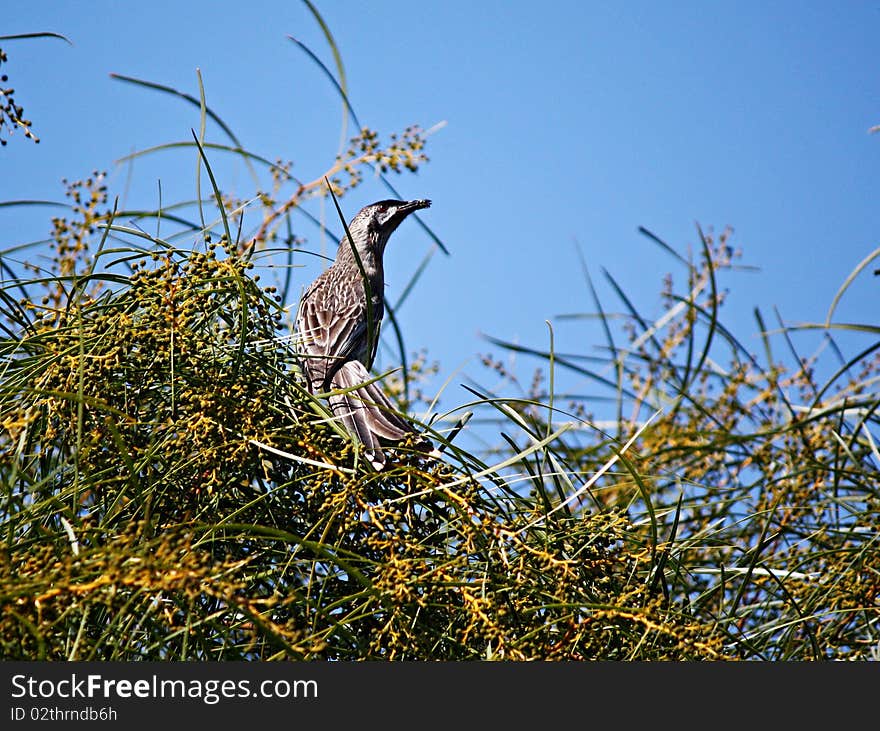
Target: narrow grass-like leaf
(44, 34)
(848, 282)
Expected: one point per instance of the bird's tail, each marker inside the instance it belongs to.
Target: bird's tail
(368, 414)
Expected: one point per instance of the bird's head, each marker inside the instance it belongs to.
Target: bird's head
(375, 223)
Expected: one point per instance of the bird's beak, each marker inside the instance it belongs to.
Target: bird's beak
(411, 206)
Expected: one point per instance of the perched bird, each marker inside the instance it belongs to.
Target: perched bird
(338, 324)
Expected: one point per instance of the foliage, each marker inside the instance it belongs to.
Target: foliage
(172, 491)
(757, 487)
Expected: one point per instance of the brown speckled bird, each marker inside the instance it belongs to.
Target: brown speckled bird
(338, 323)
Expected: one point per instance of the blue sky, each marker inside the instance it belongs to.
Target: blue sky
(565, 122)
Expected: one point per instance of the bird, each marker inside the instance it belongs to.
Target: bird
(338, 323)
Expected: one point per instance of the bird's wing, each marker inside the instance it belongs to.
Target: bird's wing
(332, 325)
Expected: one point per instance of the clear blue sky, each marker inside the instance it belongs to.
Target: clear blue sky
(565, 121)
